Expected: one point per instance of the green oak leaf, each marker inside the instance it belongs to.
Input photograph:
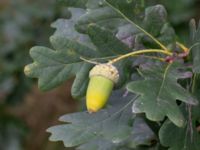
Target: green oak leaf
(180, 10)
(130, 8)
(106, 41)
(80, 83)
(128, 35)
(98, 144)
(159, 92)
(65, 27)
(167, 36)
(54, 67)
(83, 127)
(153, 21)
(108, 45)
(141, 134)
(186, 138)
(196, 92)
(156, 23)
(108, 14)
(103, 16)
(195, 44)
(155, 17)
(99, 12)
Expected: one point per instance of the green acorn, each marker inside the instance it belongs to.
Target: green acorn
(102, 80)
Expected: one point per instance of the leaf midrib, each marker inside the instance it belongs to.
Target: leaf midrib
(163, 81)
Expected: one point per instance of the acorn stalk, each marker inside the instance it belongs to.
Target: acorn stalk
(102, 80)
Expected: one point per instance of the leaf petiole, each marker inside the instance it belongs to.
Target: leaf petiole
(183, 47)
(152, 57)
(94, 61)
(89, 61)
(140, 52)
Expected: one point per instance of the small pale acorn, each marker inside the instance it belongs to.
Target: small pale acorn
(102, 80)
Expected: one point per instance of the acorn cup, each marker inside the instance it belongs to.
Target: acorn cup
(102, 80)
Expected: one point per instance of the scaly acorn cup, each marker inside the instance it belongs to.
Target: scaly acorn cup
(102, 80)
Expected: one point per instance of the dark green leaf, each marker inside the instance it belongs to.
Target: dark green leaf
(159, 92)
(54, 67)
(109, 45)
(98, 144)
(155, 18)
(186, 138)
(103, 16)
(196, 92)
(141, 134)
(83, 127)
(106, 41)
(80, 83)
(156, 23)
(65, 27)
(128, 34)
(100, 13)
(167, 36)
(180, 11)
(130, 8)
(195, 44)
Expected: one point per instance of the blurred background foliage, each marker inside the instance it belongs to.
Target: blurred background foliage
(25, 112)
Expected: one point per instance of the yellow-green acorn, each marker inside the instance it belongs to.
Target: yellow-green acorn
(102, 80)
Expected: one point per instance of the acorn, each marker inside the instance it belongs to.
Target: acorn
(103, 77)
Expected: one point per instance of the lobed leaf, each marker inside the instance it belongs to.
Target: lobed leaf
(83, 127)
(106, 41)
(156, 23)
(155, 18)
(98, 144)
(103, 16)
(80, 83)
(130, 8)
(54, 67)
(142, 134)
(158, 94)
(186, 138)
(195, 45)
(65, 27)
